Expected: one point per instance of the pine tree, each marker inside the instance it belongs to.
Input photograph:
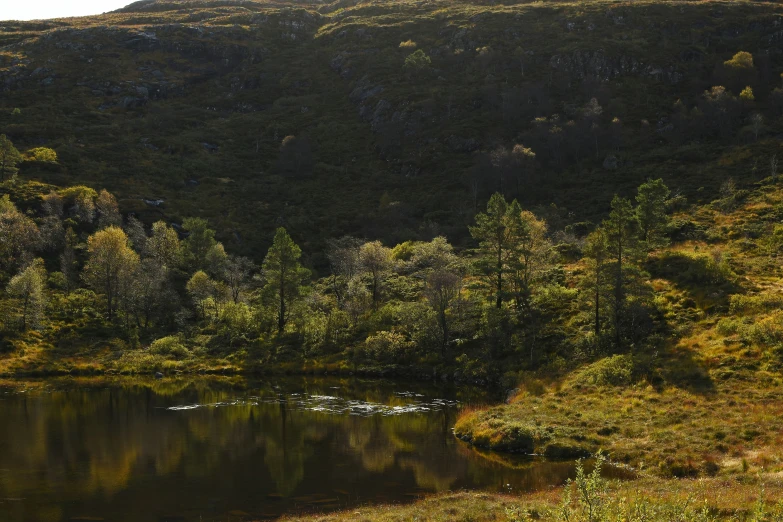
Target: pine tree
(284, 274)
(493, 233)
(621, 240)
(9, 157)
(651, 213)
(596, 253)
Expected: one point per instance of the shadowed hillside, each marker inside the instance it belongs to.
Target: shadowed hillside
(403, 117)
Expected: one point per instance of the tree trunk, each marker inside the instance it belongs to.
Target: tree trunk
(499, 302)
(445, 329)
(597, 307)
(618, 289)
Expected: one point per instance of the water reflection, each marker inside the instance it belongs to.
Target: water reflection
(206, 450)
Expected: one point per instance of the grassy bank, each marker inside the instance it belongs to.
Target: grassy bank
(751, 498)
(732, 429)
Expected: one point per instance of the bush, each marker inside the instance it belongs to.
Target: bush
(766, 332)
(387, 346)
(728, 326)
(170, 346)
(417, 61)
(754, 304)
(486, 430)
(616, 370)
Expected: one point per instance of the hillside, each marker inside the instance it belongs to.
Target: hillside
(181, 108)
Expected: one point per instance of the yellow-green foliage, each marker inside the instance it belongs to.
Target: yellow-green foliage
(169, 346)
(42, 154)
(488, 429)
(740, 304)
(388, 346)
(616, 370)
(741, 60)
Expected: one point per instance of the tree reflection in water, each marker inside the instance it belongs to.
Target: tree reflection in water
(201, 449)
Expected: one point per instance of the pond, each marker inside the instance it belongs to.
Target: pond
(218, 450)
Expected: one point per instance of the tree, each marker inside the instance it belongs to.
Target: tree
(9, 157)
(721, 110)
(620, 235)
(216, 260)
(148, 287)
(82, 202)
(496, 235)
(742, 61)
(591, 116)
(19, 236)
(236, 272)
(532, 255)
(596, 253)
(651, 213)
(163, 245)
(137, 235)
(756, 124)
(739, 71)
(377, 261)
(442, 289)
(417, 61)
(284, 274)
(110, 265)
(52, 205)
(201, 289)
(42, 154)
(27, 287)
(523, 159)
(345, 264)
(200, 240)
(108, 210)
(235, 320)
(437, 254)
(68, 260)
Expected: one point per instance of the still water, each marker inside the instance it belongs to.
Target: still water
(220, 450)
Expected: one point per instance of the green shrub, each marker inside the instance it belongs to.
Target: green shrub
(754, 304)
(387, 346)
(417, 61)
(487, 430)
(767, 331)
(727, 326)
(171, 346)
(616, 370)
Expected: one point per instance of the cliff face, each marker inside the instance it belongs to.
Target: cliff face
(188, 102)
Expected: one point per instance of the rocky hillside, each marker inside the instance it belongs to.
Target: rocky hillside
(392, 119)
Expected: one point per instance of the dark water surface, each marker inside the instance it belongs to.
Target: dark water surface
(220, 450)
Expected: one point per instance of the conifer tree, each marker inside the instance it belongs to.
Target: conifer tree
(9, 157)
(284, 275)
(621, 241)
(651, 213)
